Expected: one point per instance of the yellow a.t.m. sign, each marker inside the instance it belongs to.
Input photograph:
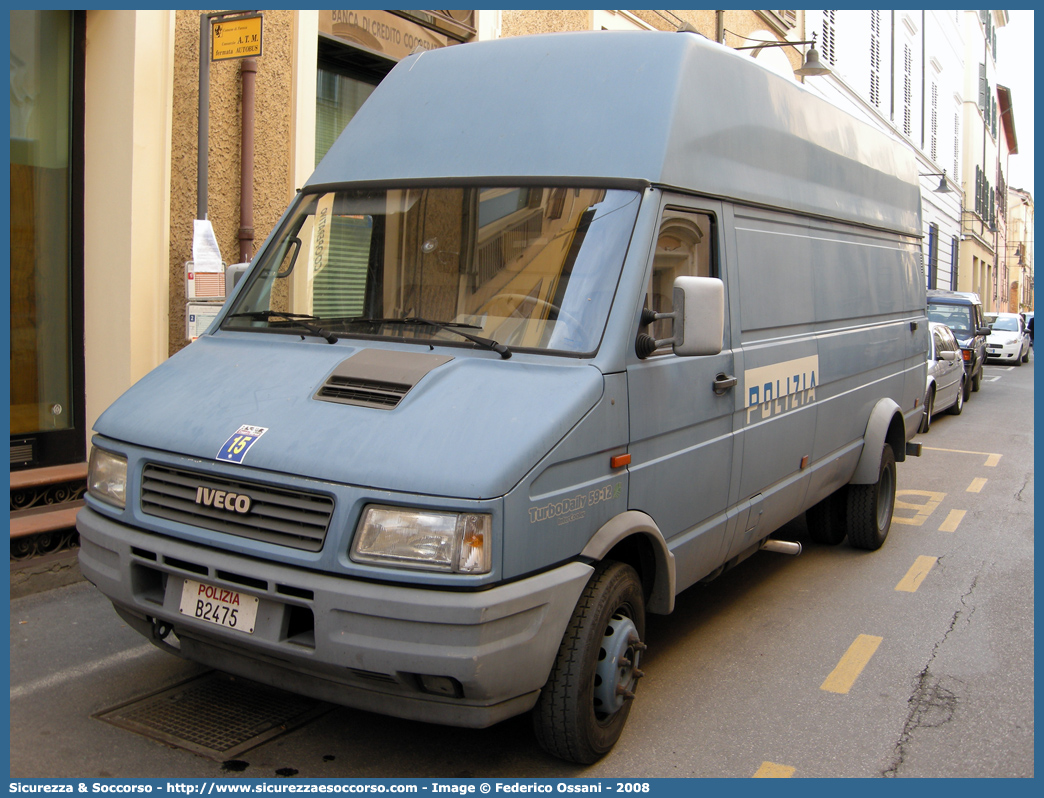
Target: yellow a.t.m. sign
(238, 37)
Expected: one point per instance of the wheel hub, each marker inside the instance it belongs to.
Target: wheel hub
(617, 673)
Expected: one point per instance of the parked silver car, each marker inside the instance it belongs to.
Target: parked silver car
(946, 375)
(1009, 341)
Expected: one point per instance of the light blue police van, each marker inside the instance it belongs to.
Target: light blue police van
(560, 326)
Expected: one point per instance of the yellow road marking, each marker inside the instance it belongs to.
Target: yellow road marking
(952, 521)
(977, 485)
(921, 509)
(851, 665)
(770, 770)
(918, 571)
(991, 459)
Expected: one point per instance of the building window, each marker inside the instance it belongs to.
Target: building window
(338, 97)
(954, 252)
(934, 146)
(875, 58)
(933, 254)
(827, 44)
(907, 90)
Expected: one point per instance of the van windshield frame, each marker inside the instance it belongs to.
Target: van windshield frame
(532, 268)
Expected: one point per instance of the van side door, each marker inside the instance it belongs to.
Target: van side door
(681, 448)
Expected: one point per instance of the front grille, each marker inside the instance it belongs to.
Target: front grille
(295, 519)
(368, 393)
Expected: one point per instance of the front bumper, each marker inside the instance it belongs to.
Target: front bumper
(360, 644)
(1004, 351)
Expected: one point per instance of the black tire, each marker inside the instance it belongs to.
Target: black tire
(1018, 360)
(870, 507)
(966, 389)
(827, 521)
(958, 407)
(1025, 357)
(929, 406)
(977, 380)
(570, 719)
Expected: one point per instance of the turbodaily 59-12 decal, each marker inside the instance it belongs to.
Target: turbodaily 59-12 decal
(775, 389)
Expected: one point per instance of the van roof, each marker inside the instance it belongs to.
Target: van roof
(612, 107)
(953, 297)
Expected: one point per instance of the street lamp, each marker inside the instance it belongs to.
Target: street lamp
(811, 66)
(944, 187)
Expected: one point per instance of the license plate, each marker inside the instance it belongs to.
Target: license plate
(220, 606)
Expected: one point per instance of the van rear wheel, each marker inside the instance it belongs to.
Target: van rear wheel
(583, 707)
(870, 507)
(827, 521)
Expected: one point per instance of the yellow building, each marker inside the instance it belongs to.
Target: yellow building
(1020, 250)
(981, 168)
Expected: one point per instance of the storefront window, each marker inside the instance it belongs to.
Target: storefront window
(43, 331)
(338, 97)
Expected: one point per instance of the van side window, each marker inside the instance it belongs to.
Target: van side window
(684, 247)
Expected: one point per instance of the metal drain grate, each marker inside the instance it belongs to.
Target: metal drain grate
(215, 715)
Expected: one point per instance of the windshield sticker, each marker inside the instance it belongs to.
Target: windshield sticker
(781, 387)
(236, 447)
(574, 508)
(321, 234)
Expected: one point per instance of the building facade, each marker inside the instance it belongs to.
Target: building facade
(1020, 250)
(982, 163)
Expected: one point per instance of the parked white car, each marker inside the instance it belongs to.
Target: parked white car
(945, 390)
(1009, 340)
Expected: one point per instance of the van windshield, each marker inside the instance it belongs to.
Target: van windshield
(528, 268)
(956, 317)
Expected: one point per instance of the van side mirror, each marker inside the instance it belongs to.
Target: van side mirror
(984, 331)
(698, 317)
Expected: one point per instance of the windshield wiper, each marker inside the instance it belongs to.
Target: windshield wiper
(298, 319)
(451, 326)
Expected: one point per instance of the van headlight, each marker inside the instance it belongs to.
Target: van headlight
(437, 541)
(107, 477)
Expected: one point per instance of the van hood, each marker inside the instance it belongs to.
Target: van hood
(468, 426)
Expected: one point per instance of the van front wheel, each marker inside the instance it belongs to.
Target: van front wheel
(583, 707)
(870, 507)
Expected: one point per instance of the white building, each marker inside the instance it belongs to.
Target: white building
(903, 71)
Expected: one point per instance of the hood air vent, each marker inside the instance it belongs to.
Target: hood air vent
(377, 378)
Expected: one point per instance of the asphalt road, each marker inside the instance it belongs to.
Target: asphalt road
(913, 661)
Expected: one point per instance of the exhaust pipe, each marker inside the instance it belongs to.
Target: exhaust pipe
(781, 546)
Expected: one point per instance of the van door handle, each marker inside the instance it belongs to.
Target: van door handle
(723, 382)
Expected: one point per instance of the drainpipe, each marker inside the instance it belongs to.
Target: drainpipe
(248, 72)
